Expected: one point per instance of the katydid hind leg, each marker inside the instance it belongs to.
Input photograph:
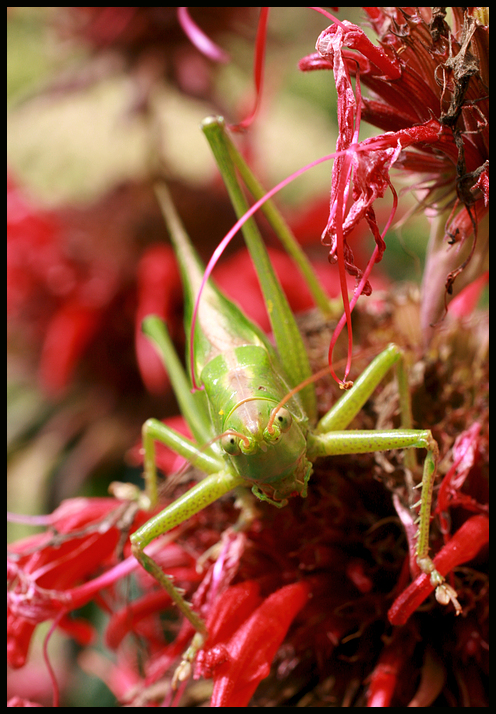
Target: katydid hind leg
(330, 439)
(370, 441)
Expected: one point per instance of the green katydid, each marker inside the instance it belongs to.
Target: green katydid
(253, 440)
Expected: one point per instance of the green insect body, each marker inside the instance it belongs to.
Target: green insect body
(243, 381)
(243, 435)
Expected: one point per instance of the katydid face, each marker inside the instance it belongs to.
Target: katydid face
(271, 456)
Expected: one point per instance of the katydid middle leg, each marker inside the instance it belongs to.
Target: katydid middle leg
(331, 438)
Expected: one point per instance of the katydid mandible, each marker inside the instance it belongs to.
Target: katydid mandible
(251, 439)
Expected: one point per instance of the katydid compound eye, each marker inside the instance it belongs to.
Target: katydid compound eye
(280, 422)
(283, 419)
(230, 444)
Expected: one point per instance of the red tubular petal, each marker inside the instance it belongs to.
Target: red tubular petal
(466, 301)
(235, 606)
(253, 647)
(199, 39)
(464, 455)
(355, 38)
(355, 571)
(126, 619)
(314, 61)
(393, 658)
(383, 684)
(258, 68)
(68, 334)
(462, 547)
(158, 283)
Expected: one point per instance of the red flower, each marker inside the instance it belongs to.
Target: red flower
(302, 588)
(43, 569)
(152, 42)
(73, 278)
(306, 595)
(245, 633)
(429, 85)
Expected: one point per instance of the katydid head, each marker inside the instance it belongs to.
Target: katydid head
(266, 445)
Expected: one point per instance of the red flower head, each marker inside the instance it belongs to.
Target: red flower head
(43, 569)
(429, 93)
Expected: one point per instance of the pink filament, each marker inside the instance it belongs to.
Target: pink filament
(199, 39)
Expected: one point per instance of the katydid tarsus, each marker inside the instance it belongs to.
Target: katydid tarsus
(244, 436)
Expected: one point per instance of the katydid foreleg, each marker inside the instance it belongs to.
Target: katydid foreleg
(196, 499)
